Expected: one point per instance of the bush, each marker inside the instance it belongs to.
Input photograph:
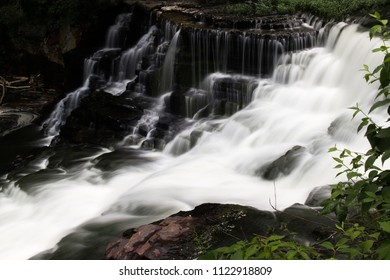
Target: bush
(337, 9)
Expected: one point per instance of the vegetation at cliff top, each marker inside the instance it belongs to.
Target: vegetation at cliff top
(337, 9)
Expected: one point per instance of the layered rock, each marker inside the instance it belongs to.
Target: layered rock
(186, 235)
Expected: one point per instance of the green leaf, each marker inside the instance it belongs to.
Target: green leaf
(377, 50)
(375, 29)
(385, 156)
(379, 104)
(376, 15)
(341, 242)
(353, 174)
(333, 149)
(275, 237)
(377, 69)
(304, 255)
(385, 226)
(386, 194)
(384, 250)
(340, 227)
(384, 22)
(362, 124)
(353, 252)
(327, 245)
(357, 111)
(368, 200)
(383, 133)
(238, 255)
(341, 211)
(371, 194)
(252, 250)
(291, 254)
(338, 160)
(372, 174)
(367, 245)
(355, 234)
(375, 235)
(370, 162)
(336, 193)
(365, 68)
(385, 74)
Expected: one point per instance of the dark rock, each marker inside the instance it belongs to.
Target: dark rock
(306, 223)
(103, 118)
(282, 166)
(187, 234)
(318, 195)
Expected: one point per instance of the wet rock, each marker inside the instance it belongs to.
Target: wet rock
(306, 223)
(282, 166)
(187, 234)
(318, 195)
(103, 118)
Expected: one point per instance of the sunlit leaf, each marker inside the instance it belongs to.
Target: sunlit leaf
(385, 226)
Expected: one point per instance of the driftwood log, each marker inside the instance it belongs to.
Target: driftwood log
(5, 85)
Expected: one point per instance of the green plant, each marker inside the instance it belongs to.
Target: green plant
(273, 247)
(337, 9)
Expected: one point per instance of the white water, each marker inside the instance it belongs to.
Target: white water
(169, 65)
(130, 59)
(322, 83)
(63, 110)
(115, 37)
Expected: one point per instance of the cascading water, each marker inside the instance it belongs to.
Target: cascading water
(130, 59)
(169, 65)
(115, 39)
(301, 107)
(116, 34)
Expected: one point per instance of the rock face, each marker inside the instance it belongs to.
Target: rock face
(282, 166)
(186, 235)
(103, 118)
(318, 195)
(55, 46)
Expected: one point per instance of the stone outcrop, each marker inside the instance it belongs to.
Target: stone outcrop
(282, 166)
(186, 235)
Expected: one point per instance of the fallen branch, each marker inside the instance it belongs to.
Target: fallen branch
(5, 84)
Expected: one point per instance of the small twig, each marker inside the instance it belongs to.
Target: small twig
(5, 84)
(276, 206)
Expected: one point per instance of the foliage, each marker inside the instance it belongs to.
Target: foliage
(337, 9)
(274, 247)
(344, 243)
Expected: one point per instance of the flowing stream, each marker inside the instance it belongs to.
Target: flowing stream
(97, 193)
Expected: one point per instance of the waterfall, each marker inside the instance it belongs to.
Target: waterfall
(169, 65)
(252, 53)
(130, 59)
(221, 156)
(116, 34)
(63, 109)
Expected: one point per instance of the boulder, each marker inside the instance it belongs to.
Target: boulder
(282, 166)
(187, 235)
(318, 195)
